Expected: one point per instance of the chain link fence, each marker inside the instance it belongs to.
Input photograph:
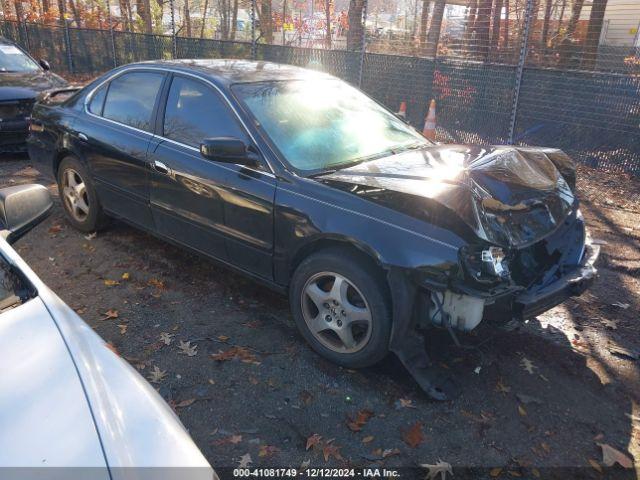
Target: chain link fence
(559, 73)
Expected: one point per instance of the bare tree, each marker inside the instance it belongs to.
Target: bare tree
(483, 22)
(327, 11)
(544, 40)
(204, 18)
(495, 28)
(143, 8)
(187, 18)
(266, 20)
(424, 21)
(354, 35)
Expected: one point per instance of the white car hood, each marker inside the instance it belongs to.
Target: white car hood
(67, 398)
(45, 420)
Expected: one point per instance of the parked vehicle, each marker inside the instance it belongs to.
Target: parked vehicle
(71, 408)
(21, 80)
(304, 183)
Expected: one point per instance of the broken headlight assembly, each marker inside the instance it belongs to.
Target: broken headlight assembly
(485, 263)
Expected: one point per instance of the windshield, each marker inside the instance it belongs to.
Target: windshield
(12, 59)
(321, 124)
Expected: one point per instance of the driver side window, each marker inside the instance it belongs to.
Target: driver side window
(195, 111)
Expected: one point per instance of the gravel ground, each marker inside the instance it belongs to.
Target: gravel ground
(535, 395)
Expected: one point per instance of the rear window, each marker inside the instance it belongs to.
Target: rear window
(131, 98)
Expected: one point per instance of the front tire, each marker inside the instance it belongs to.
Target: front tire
(78, 196)
(340, 304)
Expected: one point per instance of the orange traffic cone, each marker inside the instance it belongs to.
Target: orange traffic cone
(429, 130)
(403, 110)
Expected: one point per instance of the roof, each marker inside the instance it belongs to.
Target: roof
(240, 71)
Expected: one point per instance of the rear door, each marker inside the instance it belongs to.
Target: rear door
(116, 131)
(221, 209)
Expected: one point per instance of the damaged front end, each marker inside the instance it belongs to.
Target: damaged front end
(526, 251)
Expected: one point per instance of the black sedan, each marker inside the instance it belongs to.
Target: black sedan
(306, 184)
(22, 79)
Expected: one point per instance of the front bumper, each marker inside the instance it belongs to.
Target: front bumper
(529, 304)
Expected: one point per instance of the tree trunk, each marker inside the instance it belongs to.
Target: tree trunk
(594, 30)
(469, 28)
(204, 18)
(355, 32)
(567, 47)
(483, 21)
(234, 20)
(45, 7)
(266, 21)
(544, 40)
(505, 44)
(327, 8)
(187, 18)
(19, 11)
(495, 28)
(61, 11)
(76, 14)
(424, 21)
(433, 36)
(575, 17)
(144, 10)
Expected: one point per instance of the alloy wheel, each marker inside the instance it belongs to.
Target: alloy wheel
(74, 194)
(336, 312)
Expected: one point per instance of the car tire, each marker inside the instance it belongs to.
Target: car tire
(327, 326)
(78, 196)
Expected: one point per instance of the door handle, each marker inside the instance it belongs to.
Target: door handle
(82, 136)
(161, 167)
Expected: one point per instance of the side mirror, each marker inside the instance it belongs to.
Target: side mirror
(44, 64)
(21, 208)
(226, 149)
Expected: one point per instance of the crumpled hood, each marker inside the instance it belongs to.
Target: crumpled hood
(508, 196)
(20, 86)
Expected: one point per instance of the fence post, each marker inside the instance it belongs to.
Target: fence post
(363, 44)
(67, 41)
(174, 42)
(254, 49)
(524, 47)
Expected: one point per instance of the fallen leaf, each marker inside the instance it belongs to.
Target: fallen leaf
(109, 314)
(111, 283)
(112, 347)
(495, 472)
(404, 403)
(125, 276)
(522, 411)
(502, 388)
(439, 468)
(245, 460)
(413, 436)
(595, 465)
(185, 403)
(156, 375)
(527, 365)
(389, 452)
(536, 472)
(158, 284)
(330, 450)
(123, 328)
(241, 353)
(305, 464)
(362, 418)
(91, 236)
(187, 349)
(313, 440)
(611, 456)
(57, 228)
(223, 338)
(166, 338)
(368, 439)
(267, 450)
(306, 397)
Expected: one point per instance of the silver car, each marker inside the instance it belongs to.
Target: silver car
(69, 406)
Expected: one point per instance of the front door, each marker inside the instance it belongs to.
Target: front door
(220, 209)
(116, 133)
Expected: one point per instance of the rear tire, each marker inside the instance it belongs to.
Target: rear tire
(78, 196)
(341, 306)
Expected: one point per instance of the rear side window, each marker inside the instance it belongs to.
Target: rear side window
(131, 97)
(97, 101)
(195, 111)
